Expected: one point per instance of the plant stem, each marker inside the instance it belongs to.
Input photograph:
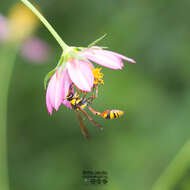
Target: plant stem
(7, 57)
(46, 24)
(175, 171)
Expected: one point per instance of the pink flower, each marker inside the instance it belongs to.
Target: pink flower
(80, 73)
(105, 58)
(35, 50)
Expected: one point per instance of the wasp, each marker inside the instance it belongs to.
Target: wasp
(79, 103)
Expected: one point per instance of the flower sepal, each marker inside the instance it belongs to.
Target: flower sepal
(96, 41)
(76, 55)
(48, 76)
(61, 64)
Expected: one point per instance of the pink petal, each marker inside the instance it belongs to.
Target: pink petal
(4, 28)
(66, 83)
(81, 74)
(103, 58)
(48, 104)
(35, 50)
(121, 56)
(67, 104)
(57, 90)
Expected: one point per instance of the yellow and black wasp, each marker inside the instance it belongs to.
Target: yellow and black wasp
(79, 103)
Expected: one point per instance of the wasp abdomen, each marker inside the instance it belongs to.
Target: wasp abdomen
(112, 114)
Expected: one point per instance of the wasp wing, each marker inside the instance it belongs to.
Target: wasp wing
(82, 125)
(90, 119)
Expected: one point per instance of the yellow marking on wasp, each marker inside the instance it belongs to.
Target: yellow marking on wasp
(77, 101)
(120, 113)
(105, 115)
(73, 101)
(83, 106)
(112, 115)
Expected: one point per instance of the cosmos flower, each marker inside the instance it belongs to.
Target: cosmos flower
(81, 73)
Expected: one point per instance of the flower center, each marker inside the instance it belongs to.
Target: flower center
(98, 76)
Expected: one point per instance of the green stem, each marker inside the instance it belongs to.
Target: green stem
(46, 24)
(7, 57)
(175, 171)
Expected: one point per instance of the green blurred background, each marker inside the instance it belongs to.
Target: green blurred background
(50, 152)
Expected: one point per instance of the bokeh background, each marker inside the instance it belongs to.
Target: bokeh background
(50, 152)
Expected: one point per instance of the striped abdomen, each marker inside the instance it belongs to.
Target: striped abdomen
(112, 114)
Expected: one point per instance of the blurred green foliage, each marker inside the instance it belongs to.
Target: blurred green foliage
(50, 152)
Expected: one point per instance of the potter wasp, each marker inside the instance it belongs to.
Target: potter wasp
(79, 103)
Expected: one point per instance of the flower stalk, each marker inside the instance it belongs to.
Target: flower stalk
(175, 171)
(63, 45)
(7, 56)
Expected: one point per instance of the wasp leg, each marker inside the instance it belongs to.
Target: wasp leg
(90, 119)
(94, 111)
(93, 95)
(96, 87)
(84, 95)
(91, 99)
(95, 91)
(82, 125)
